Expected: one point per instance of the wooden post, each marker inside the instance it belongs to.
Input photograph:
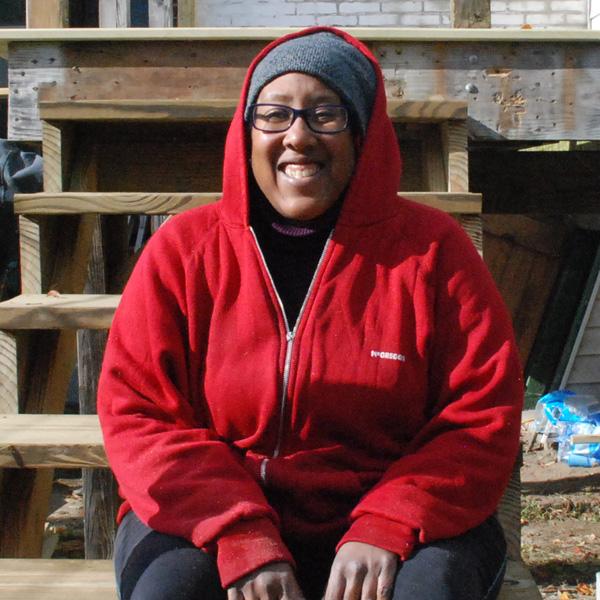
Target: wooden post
(47, 14)
(160, 13)
(470, 14)
(114, 13)
(186, 13)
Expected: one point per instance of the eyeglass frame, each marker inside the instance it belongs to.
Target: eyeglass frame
(298, 112)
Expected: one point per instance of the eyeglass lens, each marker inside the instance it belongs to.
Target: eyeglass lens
(327, 118)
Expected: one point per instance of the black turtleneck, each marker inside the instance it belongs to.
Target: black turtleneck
(292, 250)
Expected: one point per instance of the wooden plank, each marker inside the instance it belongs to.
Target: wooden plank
(141, 203)
(470, 13)
(218, 109)
(186, 13)
(160, 13)
(518, 583)
(68, 311)
(456, 154)
(592, 438)
(594, 320)
(8, 373)
(41, 441)
(57, 579)
(532, 91)
(48, 14)
(94, 580)
(509, 513)
(114, 13)
(3, 93)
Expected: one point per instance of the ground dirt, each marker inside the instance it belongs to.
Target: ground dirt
(560, 525)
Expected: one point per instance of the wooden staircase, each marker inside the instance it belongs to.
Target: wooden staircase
(73, 249)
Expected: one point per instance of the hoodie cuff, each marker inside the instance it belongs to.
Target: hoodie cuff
(377, 531)
(247, 546)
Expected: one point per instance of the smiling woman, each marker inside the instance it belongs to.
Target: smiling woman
(311, 388)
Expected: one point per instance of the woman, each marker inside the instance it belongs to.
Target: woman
(310, 387)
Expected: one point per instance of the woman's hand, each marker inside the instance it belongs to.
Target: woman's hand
(362, 572)
(275, 581)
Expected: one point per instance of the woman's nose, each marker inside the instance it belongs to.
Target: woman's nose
(299, 134)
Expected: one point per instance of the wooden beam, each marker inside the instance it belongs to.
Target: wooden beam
(53, 579)
(470, 14)
(186, 13)
(68, 311)
(160, 13)
(114, 13)
(47, 14)
(425, 111)
(42, 441)
(8, 373)
(156, 204)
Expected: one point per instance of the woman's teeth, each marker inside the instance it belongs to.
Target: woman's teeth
(300, 171)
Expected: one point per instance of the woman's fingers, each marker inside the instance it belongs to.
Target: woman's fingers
(362, 572)
(275, 581)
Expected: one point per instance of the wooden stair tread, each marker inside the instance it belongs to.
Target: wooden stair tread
(65, 311)
(61, 203)
(425, 111)
(67, 441)
(56, 579)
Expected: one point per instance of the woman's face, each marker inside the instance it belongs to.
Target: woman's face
(301, 173)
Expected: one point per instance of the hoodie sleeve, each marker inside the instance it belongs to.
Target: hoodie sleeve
(456, 469)
(172, 468)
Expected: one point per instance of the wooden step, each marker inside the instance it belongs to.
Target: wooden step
(407, 111)
(64, 203)
(45, 441)
(57, 579)
(62, 311)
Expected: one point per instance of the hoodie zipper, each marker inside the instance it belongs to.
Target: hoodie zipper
(290, 335)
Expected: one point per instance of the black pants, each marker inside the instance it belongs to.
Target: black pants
(154, 566)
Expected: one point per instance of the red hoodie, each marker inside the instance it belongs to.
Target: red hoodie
(390, 415)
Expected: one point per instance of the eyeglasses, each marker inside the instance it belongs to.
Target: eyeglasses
(276, 118)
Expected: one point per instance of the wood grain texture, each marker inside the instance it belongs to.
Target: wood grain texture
(160, 13)
(217, 109)
(139, 203)
(55, 579)
(585, 369)
(37, 441)
(68, 311)
(9, 388)
(47, 14)
(30, 259)
(470, 14)
(518, 583)
(590, 343)
(186, 13)
(114, 13)
(524, 89)
(456, 155)
(509, 513)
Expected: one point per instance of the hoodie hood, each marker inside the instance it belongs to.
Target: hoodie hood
(372, 193)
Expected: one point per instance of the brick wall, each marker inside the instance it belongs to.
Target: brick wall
(387, 13)
(595, 14)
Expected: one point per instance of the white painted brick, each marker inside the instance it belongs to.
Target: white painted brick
(338, 20)
(436, 6)
(594, 8)
(527, 6)
(546, 19)
(217, 21)
(316, 8)
(595, 22)
(375, 20)
(402, 7)
(568, 6)
(420, 20)
(580, 20)
(499, 6)
(354, 8)
(510, 20)
(257, 20)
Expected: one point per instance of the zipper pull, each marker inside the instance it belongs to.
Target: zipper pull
(289, 336)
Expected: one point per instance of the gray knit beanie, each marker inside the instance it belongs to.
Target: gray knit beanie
(327, 56)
